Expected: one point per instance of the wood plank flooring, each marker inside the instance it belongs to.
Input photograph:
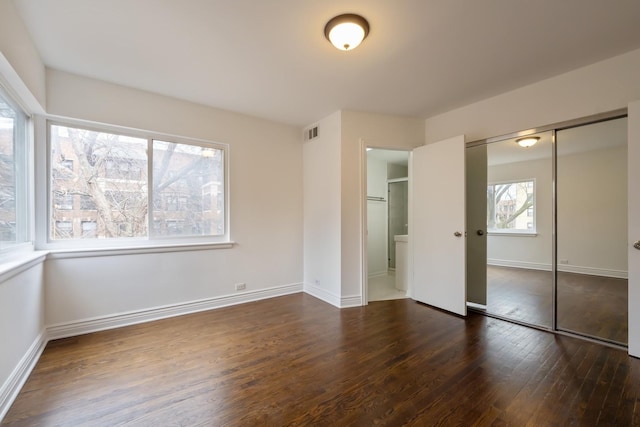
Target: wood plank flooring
(296, 361)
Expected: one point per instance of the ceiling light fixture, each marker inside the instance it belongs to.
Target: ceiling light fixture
(528, 141)
(346, 31)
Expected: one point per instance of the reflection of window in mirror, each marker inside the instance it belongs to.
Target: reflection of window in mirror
(511, 206)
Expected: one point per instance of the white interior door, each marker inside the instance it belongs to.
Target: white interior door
(437, 229)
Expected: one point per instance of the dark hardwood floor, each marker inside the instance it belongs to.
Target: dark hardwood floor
(520, 294)
(589, 305)
(295, 360)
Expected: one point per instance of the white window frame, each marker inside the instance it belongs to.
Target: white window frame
(517, 232)
(24, 184)
(99, 247)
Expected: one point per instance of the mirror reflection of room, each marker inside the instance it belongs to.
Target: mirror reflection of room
(519, 228)
(592, 278)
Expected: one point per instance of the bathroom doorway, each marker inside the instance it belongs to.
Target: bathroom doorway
(387, 223)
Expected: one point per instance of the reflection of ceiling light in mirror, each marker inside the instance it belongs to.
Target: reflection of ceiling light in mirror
(369, 148)
(528, 141)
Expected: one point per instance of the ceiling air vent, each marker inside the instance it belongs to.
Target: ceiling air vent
(311, 133)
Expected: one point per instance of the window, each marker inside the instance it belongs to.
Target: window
(13, 173)
(118, 200)
(511, 207)
(187, 178)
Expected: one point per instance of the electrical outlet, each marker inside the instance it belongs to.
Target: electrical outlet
(564, 261)
(241, 286)
(317, 282)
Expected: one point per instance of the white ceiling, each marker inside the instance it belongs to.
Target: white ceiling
(269, 58)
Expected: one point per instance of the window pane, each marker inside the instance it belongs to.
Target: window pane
(510, 206)
(7, 175)
(13, 166)
(109, 173)
(188, 190)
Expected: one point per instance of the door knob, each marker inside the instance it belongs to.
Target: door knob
(457, 234)
(480, 233)
(637, 245)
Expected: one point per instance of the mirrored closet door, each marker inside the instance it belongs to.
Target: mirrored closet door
(592, 270)
(547, 228)
(519, 218)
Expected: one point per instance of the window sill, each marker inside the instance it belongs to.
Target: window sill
(514, 234)
(117, 251)
(18, 263)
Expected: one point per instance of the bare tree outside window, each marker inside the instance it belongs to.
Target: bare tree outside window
(100, 188)
(510, 206)
(97, 167)
(188, 180)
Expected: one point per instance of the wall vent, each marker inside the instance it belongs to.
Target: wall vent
(311, 133)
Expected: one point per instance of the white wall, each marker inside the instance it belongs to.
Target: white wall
(592, 220)
(321, 160)
(397, 171)
(376, 130)
(265, 175)
(376, 177)
(377, 257)
(525, 251)
(604, 86)
(18, 49)
(21, 329)
(22, 289)
(592, 211)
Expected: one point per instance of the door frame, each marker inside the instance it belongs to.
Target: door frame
(364, 271)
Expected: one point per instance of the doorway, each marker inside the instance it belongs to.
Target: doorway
(387, 224)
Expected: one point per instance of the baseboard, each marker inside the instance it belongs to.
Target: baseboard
(86, 326)
(519, 264)
(322, 294)
(590, 271)
(378, 274)
(18, 377)
(566, 268)
(482, 307)
(352, 301)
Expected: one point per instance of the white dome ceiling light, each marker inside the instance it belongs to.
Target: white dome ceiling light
(347, 31)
